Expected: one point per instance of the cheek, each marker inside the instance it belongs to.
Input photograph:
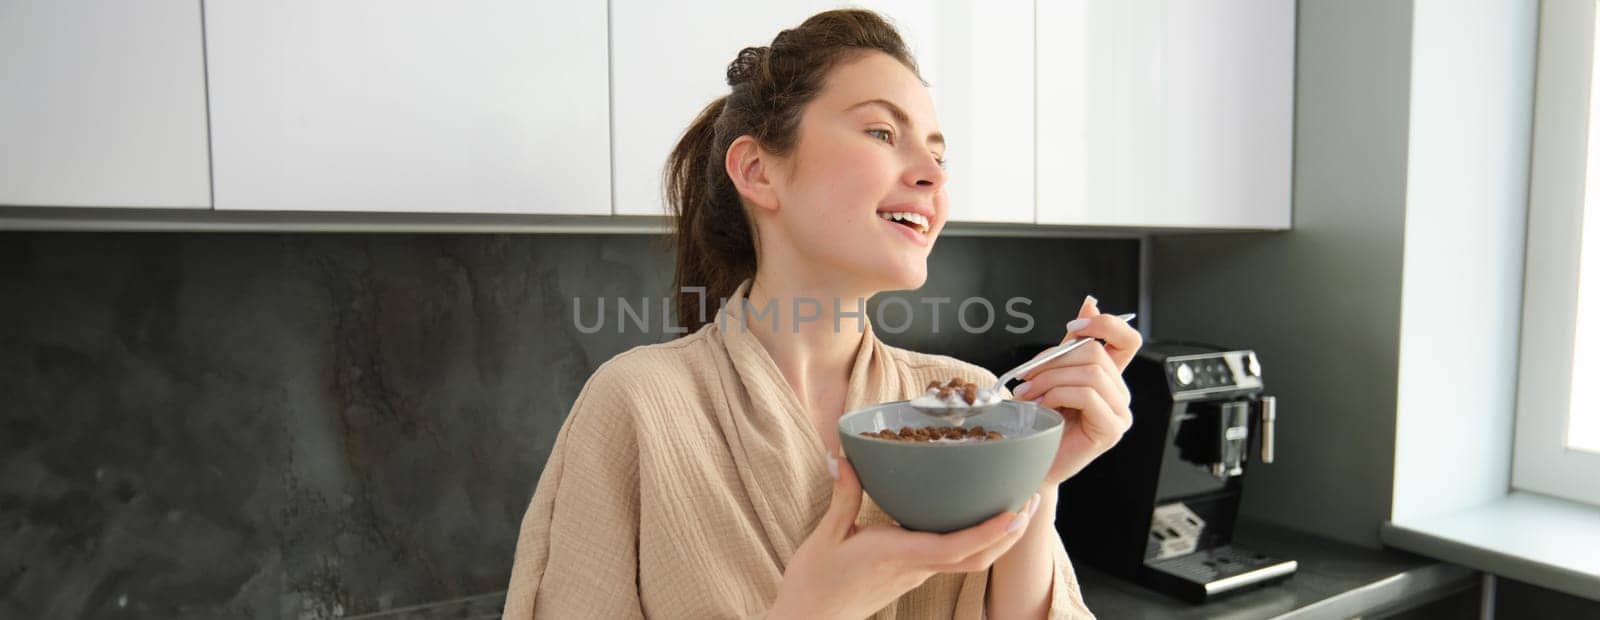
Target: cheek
(853, 181)
(837, 192)
(941, 204)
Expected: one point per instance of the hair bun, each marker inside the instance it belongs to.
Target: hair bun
(745, 65)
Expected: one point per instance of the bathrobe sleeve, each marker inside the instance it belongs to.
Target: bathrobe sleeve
(577, 551)
(1066, 598)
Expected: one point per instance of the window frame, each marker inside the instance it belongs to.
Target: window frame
(1541, 460)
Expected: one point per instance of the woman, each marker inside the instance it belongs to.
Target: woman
(701, 478)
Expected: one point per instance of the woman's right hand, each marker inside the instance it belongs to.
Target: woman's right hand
(846, 571)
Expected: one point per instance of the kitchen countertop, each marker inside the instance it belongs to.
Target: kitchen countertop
(1334, 579)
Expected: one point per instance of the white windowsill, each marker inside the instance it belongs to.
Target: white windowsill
(1542, 540)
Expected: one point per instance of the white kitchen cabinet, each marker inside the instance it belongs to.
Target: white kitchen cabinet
(102, 104)
(984, 91)
(1165, 113)
(978, 63)
(485, 106)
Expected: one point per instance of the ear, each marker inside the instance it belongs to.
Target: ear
(747, 164)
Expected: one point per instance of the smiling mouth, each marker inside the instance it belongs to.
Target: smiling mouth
(914, 221)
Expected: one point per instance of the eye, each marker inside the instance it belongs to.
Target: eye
(943, 163)
(887, 136)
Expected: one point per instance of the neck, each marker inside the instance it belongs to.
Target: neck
(815, 358)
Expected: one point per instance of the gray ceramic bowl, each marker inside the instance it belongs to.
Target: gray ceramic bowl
(943, 487)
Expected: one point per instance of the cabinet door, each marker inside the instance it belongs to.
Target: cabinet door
(493, 106)
(1166, 113)
(103, 104)
(670, 59)
(984, 91)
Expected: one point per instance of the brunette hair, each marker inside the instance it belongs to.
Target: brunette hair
(770, 86)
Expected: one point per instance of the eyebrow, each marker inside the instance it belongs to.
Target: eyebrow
(899, 116)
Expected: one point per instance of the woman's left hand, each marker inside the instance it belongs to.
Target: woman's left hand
(1086, 386)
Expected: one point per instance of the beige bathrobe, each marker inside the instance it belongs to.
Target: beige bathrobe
(687, 474)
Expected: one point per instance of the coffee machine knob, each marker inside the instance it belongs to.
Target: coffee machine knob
(1185, 374)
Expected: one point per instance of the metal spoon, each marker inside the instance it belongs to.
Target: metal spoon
(958, 414)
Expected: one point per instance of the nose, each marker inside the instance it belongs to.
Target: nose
(925, 173)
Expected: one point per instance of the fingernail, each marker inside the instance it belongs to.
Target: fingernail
(833, 467)
(1022, 519)
(1092, 301)
(1077, 324)
(1022, 389)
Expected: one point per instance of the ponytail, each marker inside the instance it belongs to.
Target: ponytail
(712, 234)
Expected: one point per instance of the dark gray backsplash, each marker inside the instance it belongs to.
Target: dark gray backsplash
(203, 425)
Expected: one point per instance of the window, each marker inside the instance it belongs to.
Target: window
(1557, 448)
(1583, 412)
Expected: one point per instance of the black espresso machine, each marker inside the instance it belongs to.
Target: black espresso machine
(1159, 508)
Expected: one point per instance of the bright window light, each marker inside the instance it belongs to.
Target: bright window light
(1583, 416)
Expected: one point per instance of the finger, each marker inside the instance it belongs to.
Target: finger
(983, 559)
(1090, 307)
(1092, 353)
(1121, 340)
(1103, 424)
(1110, 385)
(935, 550)
(846, 503)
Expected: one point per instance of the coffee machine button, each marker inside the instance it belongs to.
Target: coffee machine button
(1185, 375)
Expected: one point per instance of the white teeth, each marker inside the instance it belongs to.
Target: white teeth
(920, 220)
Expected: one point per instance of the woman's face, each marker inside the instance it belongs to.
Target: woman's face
(869, 145)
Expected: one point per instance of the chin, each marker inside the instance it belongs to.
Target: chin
(907, 278)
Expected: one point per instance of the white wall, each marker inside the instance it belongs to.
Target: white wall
(1320, 303)
(1472, 69)
(1386, 320)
